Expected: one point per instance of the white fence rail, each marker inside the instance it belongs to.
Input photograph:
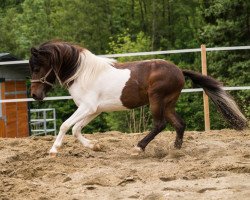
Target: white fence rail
(150, 53)
(69, 97)
(175, 51)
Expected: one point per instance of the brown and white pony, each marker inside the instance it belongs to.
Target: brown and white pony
(99, 84)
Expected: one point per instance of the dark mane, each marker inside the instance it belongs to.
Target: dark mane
(63, 57)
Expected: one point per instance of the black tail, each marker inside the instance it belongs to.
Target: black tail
(223, 101)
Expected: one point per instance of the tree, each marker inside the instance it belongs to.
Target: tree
(227, 24)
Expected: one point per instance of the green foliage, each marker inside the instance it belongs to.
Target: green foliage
(123, 43)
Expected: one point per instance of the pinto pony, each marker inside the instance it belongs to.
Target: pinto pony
(99, 84)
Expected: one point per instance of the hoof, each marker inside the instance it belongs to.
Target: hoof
(171, 146)
(174, 152)
(52, 154)
(96, 147)
(136, 151)
(178, 144)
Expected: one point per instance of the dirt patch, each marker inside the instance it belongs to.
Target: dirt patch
(211, 165)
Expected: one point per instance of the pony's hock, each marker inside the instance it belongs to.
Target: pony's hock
(99, 84)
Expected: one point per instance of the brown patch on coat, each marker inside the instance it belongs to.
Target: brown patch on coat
(157, 77)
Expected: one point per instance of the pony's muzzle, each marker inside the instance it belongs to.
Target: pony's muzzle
(37, 97)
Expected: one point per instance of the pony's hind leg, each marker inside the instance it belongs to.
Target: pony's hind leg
(159, 125)
(156, 107)
(179, 125)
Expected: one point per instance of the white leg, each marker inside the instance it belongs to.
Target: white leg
(78, 115)
(76, 131)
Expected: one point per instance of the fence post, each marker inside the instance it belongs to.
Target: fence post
(205, 97)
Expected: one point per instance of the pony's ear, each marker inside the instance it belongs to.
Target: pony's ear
(34, 51)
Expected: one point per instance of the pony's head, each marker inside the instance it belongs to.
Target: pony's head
(42, 73)
(50, 61)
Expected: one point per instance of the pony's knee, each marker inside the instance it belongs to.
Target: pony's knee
(64, 127)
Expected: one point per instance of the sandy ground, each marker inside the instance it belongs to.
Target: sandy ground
(211, 165)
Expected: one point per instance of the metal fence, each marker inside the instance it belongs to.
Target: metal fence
(43, 121)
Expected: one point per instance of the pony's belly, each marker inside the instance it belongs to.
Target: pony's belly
(109, 106)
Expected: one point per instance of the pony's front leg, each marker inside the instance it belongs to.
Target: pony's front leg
(78, 115)
(76, 131)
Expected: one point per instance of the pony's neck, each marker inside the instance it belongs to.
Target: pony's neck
(91, 66)
(69, 67)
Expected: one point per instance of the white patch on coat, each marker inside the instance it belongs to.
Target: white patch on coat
(99, 83)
